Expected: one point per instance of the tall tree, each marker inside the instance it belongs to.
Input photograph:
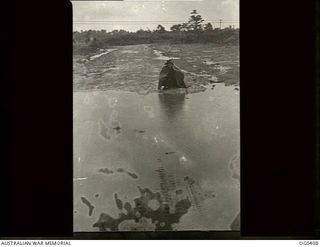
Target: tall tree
(195, 21)
(185, 27)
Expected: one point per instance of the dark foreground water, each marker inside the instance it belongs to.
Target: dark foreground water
(156, 162)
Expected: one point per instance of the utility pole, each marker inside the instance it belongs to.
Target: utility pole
(220, 21)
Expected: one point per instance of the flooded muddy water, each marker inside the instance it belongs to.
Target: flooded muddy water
(161, 161)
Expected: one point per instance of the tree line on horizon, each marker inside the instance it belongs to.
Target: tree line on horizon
(193, 31)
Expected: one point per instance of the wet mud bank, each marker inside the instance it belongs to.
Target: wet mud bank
(136, 68)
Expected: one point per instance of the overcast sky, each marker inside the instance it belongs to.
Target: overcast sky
(132, 15)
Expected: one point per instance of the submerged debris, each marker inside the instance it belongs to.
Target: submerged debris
(196, 193)
(118, 202)
(140, 131)
(104, 130)
(117, 129)
(88, 204)
(150, 212)
(106, 171)
(121, 170)
(132, 175)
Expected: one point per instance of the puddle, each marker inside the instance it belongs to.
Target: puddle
(217, 66)
(170, 144)
(129, 52)
(79, 179)
(160, 56)
(107, 51)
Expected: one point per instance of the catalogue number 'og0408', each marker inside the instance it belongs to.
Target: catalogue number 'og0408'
(308, 242)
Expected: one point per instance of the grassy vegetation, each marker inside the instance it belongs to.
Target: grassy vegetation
(89, 41)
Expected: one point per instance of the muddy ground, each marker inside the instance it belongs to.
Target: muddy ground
(136, 68)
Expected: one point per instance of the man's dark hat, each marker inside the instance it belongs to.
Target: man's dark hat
(170, 61)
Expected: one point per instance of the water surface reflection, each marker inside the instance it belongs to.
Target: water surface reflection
(177, 144)
(171, 105)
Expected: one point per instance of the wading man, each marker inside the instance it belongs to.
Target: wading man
(171, 77)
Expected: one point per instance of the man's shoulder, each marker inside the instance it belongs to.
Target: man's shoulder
(175, 67)
(165, 69)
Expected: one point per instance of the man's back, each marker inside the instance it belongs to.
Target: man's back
(171, 77)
